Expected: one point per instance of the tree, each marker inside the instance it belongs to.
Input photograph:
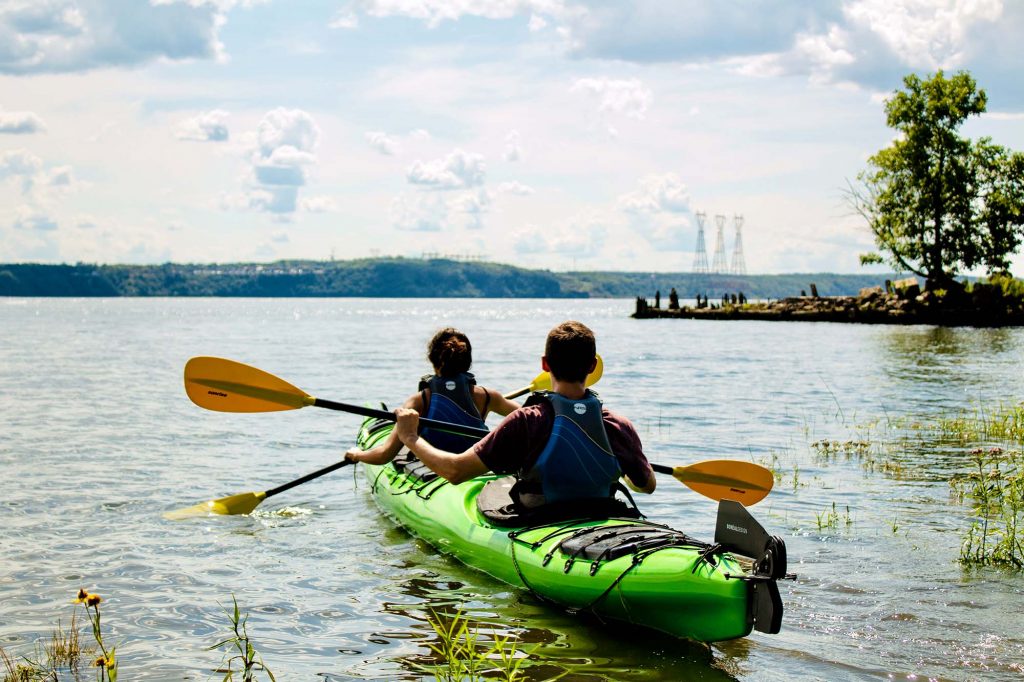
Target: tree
(935, 201)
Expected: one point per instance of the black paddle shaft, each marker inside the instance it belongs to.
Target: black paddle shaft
(308, 477)
(390, 416)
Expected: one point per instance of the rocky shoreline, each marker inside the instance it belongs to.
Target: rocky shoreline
(900, 302)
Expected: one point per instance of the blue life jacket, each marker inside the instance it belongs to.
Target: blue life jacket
(577, 462)
(451, 400)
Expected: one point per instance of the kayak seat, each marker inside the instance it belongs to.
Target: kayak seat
(495, 504)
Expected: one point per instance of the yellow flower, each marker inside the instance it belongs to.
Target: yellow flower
(100, 662)
(93, 600)
(82, 596)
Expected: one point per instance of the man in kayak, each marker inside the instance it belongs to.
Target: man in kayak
(561, 445)
(450, 394)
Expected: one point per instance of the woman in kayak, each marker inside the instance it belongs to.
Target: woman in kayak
(450, 394)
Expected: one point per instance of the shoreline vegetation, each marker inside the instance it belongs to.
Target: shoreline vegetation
(391, 278)
(995, 302)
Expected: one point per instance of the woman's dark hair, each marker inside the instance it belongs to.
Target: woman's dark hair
(450, 352)
(570, 351)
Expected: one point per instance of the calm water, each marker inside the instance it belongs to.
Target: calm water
(97, 439)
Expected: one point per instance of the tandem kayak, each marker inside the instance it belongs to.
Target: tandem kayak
(623, 569)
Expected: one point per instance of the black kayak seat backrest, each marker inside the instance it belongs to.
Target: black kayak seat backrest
(496, 505)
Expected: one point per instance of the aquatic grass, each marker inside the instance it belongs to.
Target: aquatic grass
(993, 482)
(247, 658)
(873, 455)
(830, 518)
(996, 489)
(59, 656)
(464, 657)
(1003, 423)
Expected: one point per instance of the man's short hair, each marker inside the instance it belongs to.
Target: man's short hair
(570, 351)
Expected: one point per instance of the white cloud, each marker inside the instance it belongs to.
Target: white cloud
(383, 143)
(32, 218)
(210, 126)
(513, 147)
(616, 97)
(514, 187)
(582, 236)
(434, 12)
(657, 194)
(418, 212)
(20, 123)
(285, 141)
(344, 20)
(54, 36)
(458, 170)
(659, 211)
(319, 205)
(472, 206)
(868, 42)
(20, 163)
(931, 34)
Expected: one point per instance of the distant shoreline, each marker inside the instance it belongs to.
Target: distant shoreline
(398, 278)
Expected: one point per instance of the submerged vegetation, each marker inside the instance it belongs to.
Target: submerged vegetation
(59, 658)
(466, 657)
(996, 490)
(985, 446)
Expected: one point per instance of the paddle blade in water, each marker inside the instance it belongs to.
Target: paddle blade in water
(726, 479)
(229, 386)
(242, 503)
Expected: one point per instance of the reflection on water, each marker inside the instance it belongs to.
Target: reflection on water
(97, 440)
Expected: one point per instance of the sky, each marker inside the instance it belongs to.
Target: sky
(560, 134)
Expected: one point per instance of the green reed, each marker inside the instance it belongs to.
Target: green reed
(995, 488)
(1003, 423)
(246, 657)
(830, 518)
(465, 657)
(59, 657)
(873, 456)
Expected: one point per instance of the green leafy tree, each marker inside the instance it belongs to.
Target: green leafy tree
(939, 203)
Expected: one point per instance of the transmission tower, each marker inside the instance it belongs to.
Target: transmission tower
(739, 266)
(719, 264)
(700, 256)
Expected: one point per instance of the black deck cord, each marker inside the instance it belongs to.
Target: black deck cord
(514, 537)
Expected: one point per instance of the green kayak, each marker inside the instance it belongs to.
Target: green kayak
(624, 569)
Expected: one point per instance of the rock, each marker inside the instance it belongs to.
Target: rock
(907, 288)
(870, 292)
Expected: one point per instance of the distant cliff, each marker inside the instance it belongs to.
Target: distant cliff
(396, 277)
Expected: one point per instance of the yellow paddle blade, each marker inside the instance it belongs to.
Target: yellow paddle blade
(542, 382)
(243, 503)
(719, 479)
(229, 386)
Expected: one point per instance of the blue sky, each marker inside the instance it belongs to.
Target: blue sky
(544, 133)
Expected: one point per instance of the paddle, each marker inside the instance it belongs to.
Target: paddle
(244, 503)
(724, 479)
(228, 386)
(542, 382)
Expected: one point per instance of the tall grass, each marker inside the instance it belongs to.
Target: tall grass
(464, 656)
(996, 490)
